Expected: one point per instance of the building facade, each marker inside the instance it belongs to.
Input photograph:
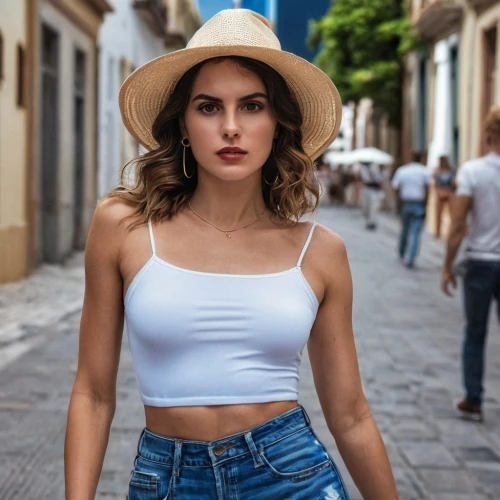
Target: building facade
(292, 23)
(136, 32)
(14, 120)
(451, 84)
(48, 109)
(61, 139)
(65, 144)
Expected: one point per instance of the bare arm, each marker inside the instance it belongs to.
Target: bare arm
(459, 209)
(336, 376)
(92, 403)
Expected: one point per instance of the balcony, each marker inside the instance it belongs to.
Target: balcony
(481, 5)
(154, 13)
(183, 19)
(100, 6)
(437, 16)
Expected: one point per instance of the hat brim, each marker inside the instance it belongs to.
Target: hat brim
(147, 90)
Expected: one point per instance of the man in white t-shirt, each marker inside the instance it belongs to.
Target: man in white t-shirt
(411, 183)
(478, 198)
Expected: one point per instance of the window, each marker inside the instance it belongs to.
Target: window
(111, 78)
(1, 57)
(455, 133)
(489, 72)
(422, 103)
(20, 76)
(490, 39)
(79, 99)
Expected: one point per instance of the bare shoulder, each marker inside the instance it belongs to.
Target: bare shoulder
(330, 257)
(112, 212)
(329, 243)
(109, 226)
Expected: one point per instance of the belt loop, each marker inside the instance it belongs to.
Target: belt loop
(308, 420)
(177, 458)
(253, 450)
(139, 442)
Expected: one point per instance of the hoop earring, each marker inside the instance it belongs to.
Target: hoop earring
(277, 176)
(270, 183)
(184, 157)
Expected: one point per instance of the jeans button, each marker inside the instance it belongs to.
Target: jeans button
(219, 450)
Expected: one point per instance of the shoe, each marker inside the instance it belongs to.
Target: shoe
(410, 265)
(469, 411)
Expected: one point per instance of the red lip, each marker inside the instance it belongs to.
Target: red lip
(231, 150)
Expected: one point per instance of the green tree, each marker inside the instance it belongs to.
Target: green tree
(362, 48)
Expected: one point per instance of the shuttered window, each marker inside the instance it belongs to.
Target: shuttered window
(20, 77)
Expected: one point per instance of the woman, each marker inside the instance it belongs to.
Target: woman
(444, 181)
(221, 287)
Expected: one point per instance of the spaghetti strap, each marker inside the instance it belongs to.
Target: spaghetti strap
(151, 237)
(306, 244)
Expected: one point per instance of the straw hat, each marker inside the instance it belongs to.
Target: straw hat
(234, 32)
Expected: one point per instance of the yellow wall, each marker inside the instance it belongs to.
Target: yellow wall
(13, 133)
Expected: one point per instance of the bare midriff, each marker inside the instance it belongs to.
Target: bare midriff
(209, 423)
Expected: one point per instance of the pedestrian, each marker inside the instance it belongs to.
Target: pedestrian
(477, 199)
(336, 190)
(372, 177)
(221, 286)
(350, 186)
(411, 184)
(444, 183)
(323, 174)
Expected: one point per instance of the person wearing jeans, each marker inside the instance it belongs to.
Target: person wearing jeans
(411, 183)
(478, 197)
(413, 218)
(481, 285)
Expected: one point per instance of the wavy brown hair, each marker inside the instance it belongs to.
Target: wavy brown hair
(161, 189)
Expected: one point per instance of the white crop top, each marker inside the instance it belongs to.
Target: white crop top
(200, 338)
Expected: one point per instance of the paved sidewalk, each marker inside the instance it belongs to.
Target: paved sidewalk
(408, 337)
(28, 306)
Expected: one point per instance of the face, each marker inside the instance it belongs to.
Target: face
(229, 122)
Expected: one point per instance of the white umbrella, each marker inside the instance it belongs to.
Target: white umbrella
(371, 155)
(339, 158)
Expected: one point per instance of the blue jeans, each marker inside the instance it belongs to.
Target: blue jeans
(412, 217)
(481, 286)
(279, 459)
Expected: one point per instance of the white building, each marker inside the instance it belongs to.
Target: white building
(136, 32)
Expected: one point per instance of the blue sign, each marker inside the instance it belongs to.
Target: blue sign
(293, 24)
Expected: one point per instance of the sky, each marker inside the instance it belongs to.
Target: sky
(208, 8)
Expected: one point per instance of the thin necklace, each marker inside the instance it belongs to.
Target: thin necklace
(226, 231)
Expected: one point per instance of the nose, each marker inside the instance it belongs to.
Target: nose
(230, 127)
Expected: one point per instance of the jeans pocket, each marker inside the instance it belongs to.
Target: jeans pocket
(150, 481)
(297, 457)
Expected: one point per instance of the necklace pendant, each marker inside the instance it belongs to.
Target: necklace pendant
(228, 235)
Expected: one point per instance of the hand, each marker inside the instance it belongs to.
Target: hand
(448, 279)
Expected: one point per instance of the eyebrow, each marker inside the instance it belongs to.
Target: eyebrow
(205, 97)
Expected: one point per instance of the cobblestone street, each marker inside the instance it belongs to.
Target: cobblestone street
(408, 336)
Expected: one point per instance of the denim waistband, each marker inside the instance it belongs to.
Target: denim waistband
(187, 453)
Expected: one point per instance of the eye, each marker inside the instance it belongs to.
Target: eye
(253, 106)
(208, 108)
